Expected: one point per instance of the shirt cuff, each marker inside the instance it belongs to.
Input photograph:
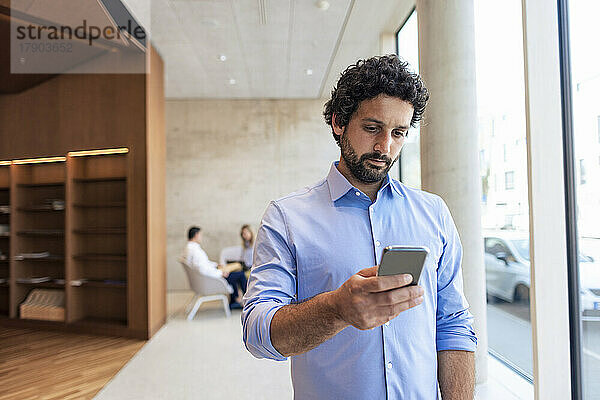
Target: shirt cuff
(456, 342)
(259, 335)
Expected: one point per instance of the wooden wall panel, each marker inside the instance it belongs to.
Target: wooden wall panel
(80, 112)
(157, 229)
(74, 112)
(137, 246)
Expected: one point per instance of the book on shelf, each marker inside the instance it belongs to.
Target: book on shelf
(4, 209)
(3, 280)
(48, 205)
(39, 279)
(116, 282)
(41, 254)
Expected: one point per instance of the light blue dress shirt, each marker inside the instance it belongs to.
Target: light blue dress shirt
(312, 241)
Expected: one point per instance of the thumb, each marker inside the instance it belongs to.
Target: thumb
(371, 271)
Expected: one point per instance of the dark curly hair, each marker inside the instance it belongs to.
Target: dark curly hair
(369, 78)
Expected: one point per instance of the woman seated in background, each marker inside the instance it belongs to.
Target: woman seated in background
(247, 246)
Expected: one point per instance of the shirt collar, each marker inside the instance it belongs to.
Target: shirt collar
(339, 185)
(397, 186)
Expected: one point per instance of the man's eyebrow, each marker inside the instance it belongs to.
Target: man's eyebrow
(373, 120)
(381, 123)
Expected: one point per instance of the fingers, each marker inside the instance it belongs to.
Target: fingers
(397, 296)
(392, 311)
(384, 283)
(371, 271)
(382, 314)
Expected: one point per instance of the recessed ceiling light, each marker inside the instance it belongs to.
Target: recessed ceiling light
(309, 71)
(232, 81)
(322, 5)
(223, 57)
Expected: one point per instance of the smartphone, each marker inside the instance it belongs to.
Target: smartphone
(403, 260)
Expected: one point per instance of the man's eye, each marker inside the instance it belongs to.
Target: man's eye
(371, 128)
(401, 133)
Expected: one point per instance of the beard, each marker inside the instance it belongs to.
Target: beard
(360, 168)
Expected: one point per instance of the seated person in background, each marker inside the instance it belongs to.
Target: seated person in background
(196, 258)
(247, 246)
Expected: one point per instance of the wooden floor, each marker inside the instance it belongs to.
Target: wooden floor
(52, 365)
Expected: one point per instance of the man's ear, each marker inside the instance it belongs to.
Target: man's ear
(336, 129)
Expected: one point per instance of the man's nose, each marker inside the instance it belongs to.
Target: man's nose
(384, 143)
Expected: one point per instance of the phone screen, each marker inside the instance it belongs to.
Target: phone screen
(403, 260)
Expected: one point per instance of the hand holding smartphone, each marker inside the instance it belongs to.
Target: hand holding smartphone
(403, 260)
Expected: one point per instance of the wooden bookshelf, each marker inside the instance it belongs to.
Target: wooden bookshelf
(43, 285)
(100, 257)
(69, 220)
(34, 185)
(38, 209)
(101, 231)
(49, 259)
(88, 115)
(101, 205)
(101, 179)
(5, 241)
(98, 239)
(102, 284)
(40, 184)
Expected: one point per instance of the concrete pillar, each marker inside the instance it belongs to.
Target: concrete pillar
(449, 142)
(387, 45)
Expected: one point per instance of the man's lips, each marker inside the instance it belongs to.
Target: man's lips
(381, 163)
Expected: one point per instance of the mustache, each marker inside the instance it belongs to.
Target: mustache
(375, 156)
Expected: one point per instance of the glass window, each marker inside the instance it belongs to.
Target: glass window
(522, 247)
(585, 63)
(496, 247)
(407, 41)
(582, 175)
(509, 180)
(503, 172)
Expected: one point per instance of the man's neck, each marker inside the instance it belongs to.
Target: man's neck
(370, 189)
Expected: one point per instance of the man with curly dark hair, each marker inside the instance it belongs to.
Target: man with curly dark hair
(350, 333)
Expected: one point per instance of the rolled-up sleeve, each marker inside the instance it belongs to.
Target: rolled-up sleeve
(272, 283)
(454, 321)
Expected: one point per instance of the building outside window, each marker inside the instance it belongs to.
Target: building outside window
(501, 126)
(509, 180)
(582, 179)
(505, 214)
(585, 78)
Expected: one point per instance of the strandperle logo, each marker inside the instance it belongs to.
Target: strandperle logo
(83, 32)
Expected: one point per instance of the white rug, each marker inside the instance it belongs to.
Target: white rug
(200, 359)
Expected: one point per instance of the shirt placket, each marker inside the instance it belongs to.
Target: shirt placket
(377, 238)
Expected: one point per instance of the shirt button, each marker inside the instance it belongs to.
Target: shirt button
(358, 193)
(389, 365)
(378, 243)
(387, 323)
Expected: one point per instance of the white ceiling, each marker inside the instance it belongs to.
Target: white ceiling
(269, 44)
